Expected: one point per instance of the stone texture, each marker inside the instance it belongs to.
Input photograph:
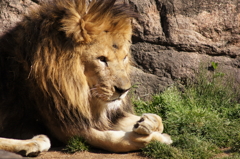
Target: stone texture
(171, 38)
(11, 12)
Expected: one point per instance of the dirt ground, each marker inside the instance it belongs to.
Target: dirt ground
(95, 154)
(100, 154)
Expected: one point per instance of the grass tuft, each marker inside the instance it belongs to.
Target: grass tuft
(156, 149)
(76, 144)
(236, 144)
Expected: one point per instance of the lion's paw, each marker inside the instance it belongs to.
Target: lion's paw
(147, 124)
(36, 145)
(168, 139)
(163, 138)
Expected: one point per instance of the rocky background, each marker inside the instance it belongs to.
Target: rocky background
(171, 38)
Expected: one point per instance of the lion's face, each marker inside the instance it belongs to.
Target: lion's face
(106, 67)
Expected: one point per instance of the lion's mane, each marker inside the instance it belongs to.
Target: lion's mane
(40, 77)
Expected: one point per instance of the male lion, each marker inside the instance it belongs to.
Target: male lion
(65, 72)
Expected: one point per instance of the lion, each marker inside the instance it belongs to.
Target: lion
(65, 72)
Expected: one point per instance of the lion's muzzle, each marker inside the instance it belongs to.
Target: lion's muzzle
(120, 90)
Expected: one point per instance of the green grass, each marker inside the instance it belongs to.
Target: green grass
(167, 152)
(76, 144)
(202, 118)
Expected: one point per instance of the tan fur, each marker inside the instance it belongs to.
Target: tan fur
(30, 147)
(68, 73)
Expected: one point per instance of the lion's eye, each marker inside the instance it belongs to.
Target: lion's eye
(115, 46)
(103, 59)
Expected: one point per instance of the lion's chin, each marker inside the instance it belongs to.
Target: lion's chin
(115, 104)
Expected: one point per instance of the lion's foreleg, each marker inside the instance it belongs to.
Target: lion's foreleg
(131, 133)
(120, 141)
(30, 147)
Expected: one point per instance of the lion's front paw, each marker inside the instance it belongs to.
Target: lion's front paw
(168, 139)
(147, 124)
(36, 145)
(163, 138)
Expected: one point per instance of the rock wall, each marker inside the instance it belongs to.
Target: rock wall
(171, 38)
(11, 11)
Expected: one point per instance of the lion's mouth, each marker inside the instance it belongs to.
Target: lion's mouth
(113, 100)
(117, 97)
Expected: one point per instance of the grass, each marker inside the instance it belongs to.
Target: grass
(76, 144)
(202, 118)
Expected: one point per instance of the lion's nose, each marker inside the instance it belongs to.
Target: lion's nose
(121, 90)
